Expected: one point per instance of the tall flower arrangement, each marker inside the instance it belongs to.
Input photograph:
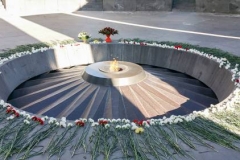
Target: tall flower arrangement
(108, 31)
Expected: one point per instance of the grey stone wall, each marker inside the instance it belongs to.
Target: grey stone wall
(119, 5)
(137, 5)
(218, 6)
(184, 5)
(154, 5)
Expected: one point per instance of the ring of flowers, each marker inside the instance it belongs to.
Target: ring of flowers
(136, 125)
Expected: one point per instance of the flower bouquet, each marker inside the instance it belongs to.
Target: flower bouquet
(84, 36)
(108, 31)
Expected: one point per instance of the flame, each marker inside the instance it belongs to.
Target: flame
(114, 66)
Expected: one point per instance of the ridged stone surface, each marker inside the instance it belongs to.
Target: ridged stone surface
(63, 92)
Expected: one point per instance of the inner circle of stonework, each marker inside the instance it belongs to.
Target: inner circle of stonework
(65, 93)
(114, 73)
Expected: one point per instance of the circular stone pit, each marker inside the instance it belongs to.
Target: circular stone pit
(17, 71)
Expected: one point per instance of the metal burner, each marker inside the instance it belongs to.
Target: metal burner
(106, 68)
(100, 73)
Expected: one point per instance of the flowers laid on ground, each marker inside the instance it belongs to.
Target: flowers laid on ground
(138, 135)
(84, 36)
(108, 31)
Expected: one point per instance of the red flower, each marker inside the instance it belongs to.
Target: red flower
(9, 109)
(187, 49)
(38, 120)
(34, 118)
(41, 122)
(80, 123)
(178, 46)
(137, 122)
(103, 122)
(16, 114)
(140, 123)
(237, 80)
(14, 111)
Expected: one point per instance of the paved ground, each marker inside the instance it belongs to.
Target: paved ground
(219, 31)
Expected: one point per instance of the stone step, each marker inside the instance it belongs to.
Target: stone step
(58, 106)
(182, 93)
(38, 94)
(46, 81)
(42, 103)
(58, 74)
(41, 87)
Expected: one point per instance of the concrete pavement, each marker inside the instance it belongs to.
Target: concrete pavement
(216, 31)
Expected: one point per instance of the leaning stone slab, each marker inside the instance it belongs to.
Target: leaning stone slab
(119, 5)
(154, 5)
(218, 6)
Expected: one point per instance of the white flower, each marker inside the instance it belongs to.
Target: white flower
(118, 127)
(146, 125)
(63, 119)
(134, 127)
(10, 117)
(6, 104)
(94, 124)
(2, 102)
(90, 120)
(69, 124)
(177, 120)
(52, 120)
(63, 124)
(26, 121)
(133, 124)
(126, 126)
(114, 121)
(45, 118)
(28, 116)
(107, 126)
(83, 119)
